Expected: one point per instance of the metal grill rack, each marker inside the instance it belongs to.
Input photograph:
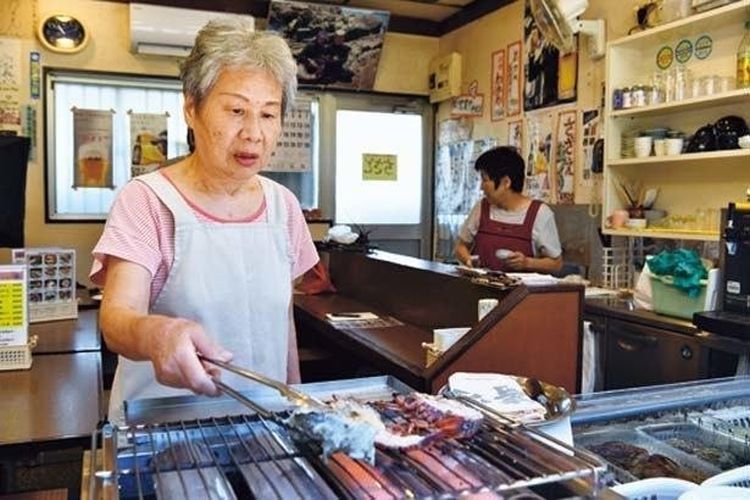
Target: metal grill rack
(248, 456)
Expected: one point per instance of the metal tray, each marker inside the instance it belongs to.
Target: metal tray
(732, 422)
(712, 447)
(173, 409)
(696, 469)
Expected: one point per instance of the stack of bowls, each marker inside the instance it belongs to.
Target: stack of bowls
(627, 144)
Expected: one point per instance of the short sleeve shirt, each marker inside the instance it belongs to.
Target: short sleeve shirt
(544, 236)
(140, 229)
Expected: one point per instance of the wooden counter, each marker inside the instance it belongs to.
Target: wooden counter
(58, 398)
(535, 331)
(68, 335)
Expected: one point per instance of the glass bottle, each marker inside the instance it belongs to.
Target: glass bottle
(743, 60)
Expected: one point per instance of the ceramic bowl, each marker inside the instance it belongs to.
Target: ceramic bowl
(744, 142)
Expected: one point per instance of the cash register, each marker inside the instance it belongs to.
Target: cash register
(733, 316)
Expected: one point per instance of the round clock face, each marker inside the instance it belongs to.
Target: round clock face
(61, 33)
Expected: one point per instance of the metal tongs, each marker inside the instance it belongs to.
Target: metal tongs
(297, 398)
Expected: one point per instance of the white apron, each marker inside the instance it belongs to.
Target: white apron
(232, 278)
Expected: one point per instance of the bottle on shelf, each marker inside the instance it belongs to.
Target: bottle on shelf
(743, 60)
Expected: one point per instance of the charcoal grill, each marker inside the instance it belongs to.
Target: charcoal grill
(248, 455)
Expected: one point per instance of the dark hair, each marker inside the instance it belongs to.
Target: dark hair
(500, 162)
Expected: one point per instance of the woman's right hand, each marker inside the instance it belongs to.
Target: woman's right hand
(173, 344)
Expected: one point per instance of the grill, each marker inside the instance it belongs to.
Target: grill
(249, 456)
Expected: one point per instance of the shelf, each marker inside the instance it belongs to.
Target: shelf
(704, 158)
(737, 96)
(675, 234)
(734, 12)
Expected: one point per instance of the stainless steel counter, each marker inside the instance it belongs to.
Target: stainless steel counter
(58, 398)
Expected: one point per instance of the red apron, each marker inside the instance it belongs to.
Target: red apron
(493, 235)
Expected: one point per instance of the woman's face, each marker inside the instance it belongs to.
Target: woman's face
(238, 123)
(494, 194)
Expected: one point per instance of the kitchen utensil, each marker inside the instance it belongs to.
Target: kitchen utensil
(296, 397)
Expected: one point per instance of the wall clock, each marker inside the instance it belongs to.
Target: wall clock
(62, 33)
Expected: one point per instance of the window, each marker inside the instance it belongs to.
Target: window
(66, 90)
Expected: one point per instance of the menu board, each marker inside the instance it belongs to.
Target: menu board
(13, 318)
(51, 282)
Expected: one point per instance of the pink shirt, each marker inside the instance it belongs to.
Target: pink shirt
(140, 229)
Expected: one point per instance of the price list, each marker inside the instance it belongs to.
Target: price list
(11, 304)
(13, 322)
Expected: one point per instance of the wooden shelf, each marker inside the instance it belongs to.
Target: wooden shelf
(704, 158)
(697, 23)
(738, 96)
(675, 234)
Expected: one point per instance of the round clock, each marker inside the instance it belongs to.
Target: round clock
(61, 33)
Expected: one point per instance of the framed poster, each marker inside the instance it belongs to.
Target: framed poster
(513, 72)
(550, 76)
(497, 84)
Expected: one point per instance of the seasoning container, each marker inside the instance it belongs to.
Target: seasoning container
(617, 99)
(627, 98)
(638, 96)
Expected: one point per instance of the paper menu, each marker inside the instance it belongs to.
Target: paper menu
(13, 313)
(51, 276)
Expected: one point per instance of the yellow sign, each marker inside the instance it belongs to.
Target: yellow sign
(376, 167)
(13, 321)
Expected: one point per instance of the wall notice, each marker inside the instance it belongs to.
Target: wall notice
(379, 167)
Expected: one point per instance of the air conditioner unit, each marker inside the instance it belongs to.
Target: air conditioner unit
(167, 31)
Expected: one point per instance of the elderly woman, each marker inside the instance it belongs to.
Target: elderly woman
(199, 257)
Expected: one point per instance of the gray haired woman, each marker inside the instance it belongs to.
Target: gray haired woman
(199, 257)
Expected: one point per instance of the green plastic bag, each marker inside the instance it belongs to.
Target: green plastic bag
(685, 267)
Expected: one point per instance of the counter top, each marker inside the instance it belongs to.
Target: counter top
(68, 335)
(58, 398)
(626, 309)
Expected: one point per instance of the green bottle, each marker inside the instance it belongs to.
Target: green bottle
(743, 60)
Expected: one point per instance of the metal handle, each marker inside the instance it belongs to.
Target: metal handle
(636, 341)
(295, 396)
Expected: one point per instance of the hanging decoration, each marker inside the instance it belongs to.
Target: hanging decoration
(148, 142)
(293, 151)
(513, 72)
(497, 84)
(565, 156)
(92, 148)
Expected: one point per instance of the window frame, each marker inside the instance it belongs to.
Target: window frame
(51, 75)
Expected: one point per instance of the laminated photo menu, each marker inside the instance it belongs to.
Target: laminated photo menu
(51, 282)
(13, 319)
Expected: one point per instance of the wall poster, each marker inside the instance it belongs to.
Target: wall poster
(538, 148)
(294, 150)
(565, 156)
(10, 84)
(470, 104)
(92, 148)
(148, 142)
(550, 76)
(497, 84)
(513, 72)
(333, 45)
(515, 135)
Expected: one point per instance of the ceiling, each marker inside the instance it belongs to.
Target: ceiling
(419, 17)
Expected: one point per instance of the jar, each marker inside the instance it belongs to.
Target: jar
(648, 92)
(637, 96)
(627, 98)
(617, 99)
